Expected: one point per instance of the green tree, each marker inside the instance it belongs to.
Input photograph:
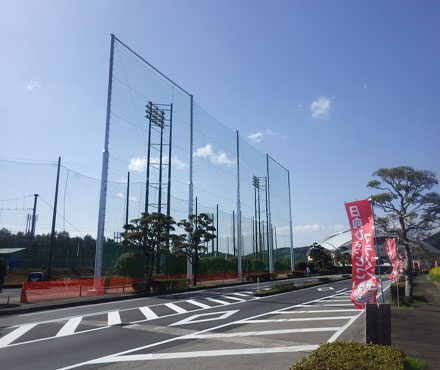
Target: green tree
(130, 264)
(150, 234)
(319, 256)
(199, 231)
(412, 210)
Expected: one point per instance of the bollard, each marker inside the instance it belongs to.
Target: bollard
(378, 324)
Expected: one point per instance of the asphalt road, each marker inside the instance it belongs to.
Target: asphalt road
(223, 328)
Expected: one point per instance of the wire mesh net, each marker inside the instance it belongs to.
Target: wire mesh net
(151, 147)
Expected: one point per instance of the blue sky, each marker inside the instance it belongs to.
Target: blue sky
(332, 90)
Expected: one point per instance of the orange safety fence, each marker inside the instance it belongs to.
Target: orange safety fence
(54, 290)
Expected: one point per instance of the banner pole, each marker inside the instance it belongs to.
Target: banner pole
(377, 250)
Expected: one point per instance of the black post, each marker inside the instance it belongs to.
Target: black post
(128, 198)
(169, 187)
(34, 211)
(54, 218)
(216, 233)
(233, 230)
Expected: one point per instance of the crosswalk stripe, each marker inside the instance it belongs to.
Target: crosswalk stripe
(196, 303)
(148, 313)
(241, 294)
(69, 327)
(17, 333)
(234, 298)
(175, 307)
(114, 318)
(217, 301)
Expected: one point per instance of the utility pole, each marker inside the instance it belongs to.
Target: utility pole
(54, 218)
(34, 211)
(216, 233)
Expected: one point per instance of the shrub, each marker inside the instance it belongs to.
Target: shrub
(162, 286)
(297, 274)
(351, 355)
(300, 265)
(2, 273)
(434, 274)
(281, 265)
(130, 264)
(258, 266)
(263, 277)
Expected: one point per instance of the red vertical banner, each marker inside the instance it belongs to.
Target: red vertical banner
(390, 247)
(363, 253)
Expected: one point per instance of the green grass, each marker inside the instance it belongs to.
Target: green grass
(406, 304)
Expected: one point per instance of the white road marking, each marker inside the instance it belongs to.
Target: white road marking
(112, 358)
(296, 319)
(69, 327)
(197, 303)
(13, 335)
(176, 308)
(197, 354)
(217, 301)
(317, 311)
(198, 318)
(257, 333)
(114, 318)
(242, 294)
(234, 298)
(148, 313)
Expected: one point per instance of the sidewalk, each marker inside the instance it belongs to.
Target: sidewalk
(417, 331)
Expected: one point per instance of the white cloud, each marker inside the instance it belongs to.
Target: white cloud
(257, 137)
(122, 196)
(320, 108)
(32, 85)
(316, 227)
(207, 152)
(139, 164)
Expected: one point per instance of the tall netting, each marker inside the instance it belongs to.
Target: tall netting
(136, 88)
(280, 210)
(156, 132)
(215, 173)
(254, 202)
(76, 215)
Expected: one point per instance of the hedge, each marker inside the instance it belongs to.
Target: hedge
(162, 286)
(434, 274)
(394, 290)
(359, 356)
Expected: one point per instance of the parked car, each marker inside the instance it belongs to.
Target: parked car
(36, 276)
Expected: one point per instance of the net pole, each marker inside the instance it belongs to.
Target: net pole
(269, 220)
(190, 185)
(292, 257)
(239, 251)
(104, 176)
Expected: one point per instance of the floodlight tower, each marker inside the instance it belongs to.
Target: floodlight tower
(160, 119)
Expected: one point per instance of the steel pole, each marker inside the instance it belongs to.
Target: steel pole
(104, 175)
(54, 219)
(269, 220)
(239, 251)
(292, 257)
(190, 185)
